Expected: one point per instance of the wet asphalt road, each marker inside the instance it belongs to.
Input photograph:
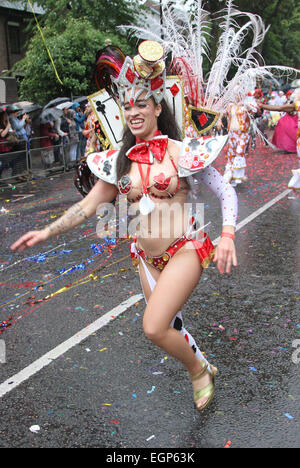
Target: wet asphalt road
(115, 389)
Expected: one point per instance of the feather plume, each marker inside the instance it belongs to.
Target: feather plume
(184, 35)
(237, 66)
(109, 62)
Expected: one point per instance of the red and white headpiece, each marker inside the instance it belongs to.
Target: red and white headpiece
(120, 74)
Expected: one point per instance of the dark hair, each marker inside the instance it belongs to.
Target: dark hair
(166, 124)
(4, 118)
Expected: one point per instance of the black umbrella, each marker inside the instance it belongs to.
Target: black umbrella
(56, 101)
(81, 99)
(33, 108)
(50, 114)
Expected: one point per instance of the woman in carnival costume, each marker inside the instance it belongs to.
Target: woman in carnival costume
(285, 134)
(294, 106)
(155, 171)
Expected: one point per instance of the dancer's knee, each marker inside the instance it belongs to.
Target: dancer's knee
(154, 332)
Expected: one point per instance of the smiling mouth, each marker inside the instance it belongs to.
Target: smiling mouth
(136, 123)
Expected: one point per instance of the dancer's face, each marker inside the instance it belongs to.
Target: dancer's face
(141, 118)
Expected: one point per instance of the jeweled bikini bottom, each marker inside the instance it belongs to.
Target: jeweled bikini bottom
(205, 251)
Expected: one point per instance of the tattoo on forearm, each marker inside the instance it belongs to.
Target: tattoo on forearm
(74, 216)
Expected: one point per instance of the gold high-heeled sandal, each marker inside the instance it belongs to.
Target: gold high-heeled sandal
(208, 391)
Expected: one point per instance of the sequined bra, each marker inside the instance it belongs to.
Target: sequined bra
(163, 186)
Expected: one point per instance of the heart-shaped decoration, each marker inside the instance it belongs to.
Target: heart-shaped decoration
(160, 178)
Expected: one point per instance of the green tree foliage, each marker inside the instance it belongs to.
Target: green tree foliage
(282, 42)
(73, 52)
(74, 31)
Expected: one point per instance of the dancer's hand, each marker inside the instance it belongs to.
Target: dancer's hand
(225, 255)
(30, 239)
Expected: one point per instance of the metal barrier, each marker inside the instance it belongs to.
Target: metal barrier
(39, 160)
(16, 163)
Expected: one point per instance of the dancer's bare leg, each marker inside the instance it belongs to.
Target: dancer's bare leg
(174, 286)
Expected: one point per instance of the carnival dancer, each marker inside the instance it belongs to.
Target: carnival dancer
(155, 171)
(239, 136)
(89, 128)
(294, 106)
(285, 134)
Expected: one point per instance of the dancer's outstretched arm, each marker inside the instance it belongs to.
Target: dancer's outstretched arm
(102, 192)
(283, 108)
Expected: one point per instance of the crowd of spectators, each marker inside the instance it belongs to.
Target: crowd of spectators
(59, 138)
(62, 137)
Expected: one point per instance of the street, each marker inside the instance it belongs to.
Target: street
(78, 371)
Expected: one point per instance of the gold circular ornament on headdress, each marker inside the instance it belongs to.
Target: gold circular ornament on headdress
(151, 51)
(149, 64)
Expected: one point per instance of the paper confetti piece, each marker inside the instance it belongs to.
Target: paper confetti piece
(152, 389)
(35, 429)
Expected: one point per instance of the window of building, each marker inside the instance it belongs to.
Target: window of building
(13, 30)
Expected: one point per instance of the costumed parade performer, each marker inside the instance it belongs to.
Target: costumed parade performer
(235, 70)
(294, 182)
(154, 169)
(238, 140)
(285, 134)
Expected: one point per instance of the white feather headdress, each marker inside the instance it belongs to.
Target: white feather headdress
(237, 65)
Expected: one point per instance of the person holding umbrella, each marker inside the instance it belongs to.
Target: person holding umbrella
(62, 125)
(18, 125)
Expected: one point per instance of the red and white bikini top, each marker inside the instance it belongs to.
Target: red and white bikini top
(161, 178)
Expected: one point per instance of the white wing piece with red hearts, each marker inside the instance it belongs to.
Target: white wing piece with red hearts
(198, 153)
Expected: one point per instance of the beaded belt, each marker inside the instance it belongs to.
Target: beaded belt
(205, 250)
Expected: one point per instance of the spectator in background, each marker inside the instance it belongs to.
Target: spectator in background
(62, 129)
(73, 135)
(5, 147)
(18, 125)
(29, 130)
(79, 119)
(48, 137)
